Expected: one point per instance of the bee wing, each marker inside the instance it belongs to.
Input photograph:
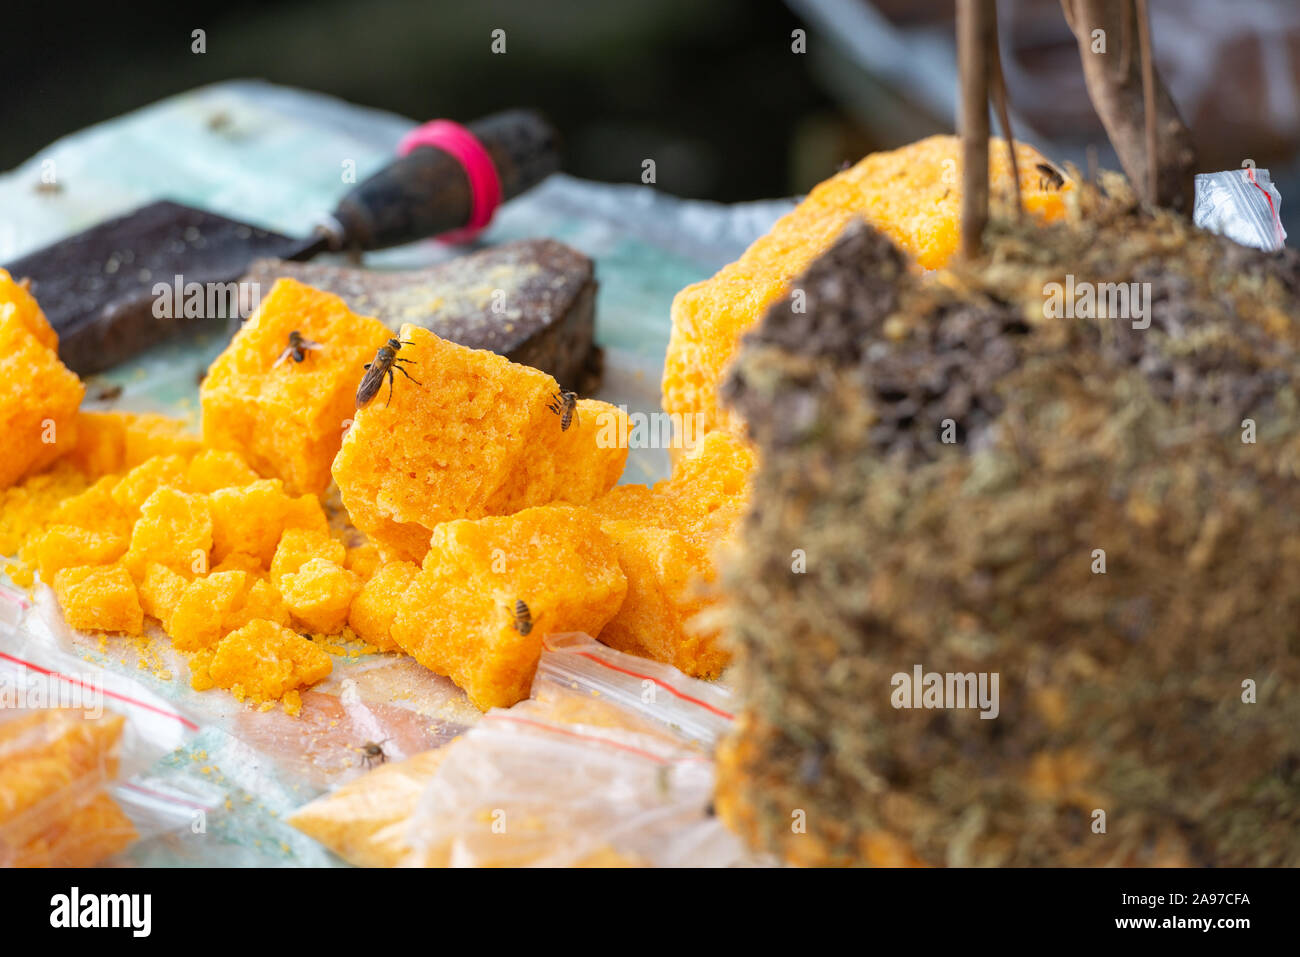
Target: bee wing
(283, 355)
(369, 386)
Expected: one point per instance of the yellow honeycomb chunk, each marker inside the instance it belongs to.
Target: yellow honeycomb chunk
(913, 195)
(319, 594)
(39, 397)
(264, 661)
(99, 598)
(287, 418)
(300, 545)
(372, 612)
(248, 519)
(95, 508)
(175, 529)
(666, 538)
(101, 444)
(161, 591)
(198, 620)
(146, 478)
(148, 435)
(67, 546)
(476, 438)
(18, 302)
(216, 469)
(458, 615)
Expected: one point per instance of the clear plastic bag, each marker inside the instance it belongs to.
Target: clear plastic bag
(607, 764)
(76, 743)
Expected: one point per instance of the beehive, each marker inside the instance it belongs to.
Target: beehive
(287, 418)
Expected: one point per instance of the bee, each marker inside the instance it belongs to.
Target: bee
(523, 622)
(48, 187)
(1049, 177)
(565, 405)
(373, 751)
(385, 362)
(299, 346)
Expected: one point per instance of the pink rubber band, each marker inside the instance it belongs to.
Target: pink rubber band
(464, 147)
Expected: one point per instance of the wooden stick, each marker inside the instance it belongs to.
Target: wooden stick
(973, 33)
(1000, 104)
(1148, 61)
(1139, 114)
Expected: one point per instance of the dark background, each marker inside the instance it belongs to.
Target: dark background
(708, 88)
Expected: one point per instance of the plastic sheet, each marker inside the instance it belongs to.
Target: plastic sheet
(607, 764)
(76, 746)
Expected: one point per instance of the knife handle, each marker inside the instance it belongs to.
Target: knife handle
(427, 192)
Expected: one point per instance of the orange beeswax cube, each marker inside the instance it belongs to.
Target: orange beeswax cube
(373, 610)
(39, 397)
(476, 436)
(99, 598)
(286, 418)
(264, 661)
(912, 195)
(174, 529)
(459, 616)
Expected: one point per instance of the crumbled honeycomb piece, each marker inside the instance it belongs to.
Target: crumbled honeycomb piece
(364, 560)
(215, 469)
(95, 508)
(666, 577)
(372, 612)
(666, 538)
(305, 512)
(265, 661)
(67, 546)
(149, 435)
(101, 444)
(458, 615)
(560, 465)
(175, 529)
(99, 598)
(319, 594)
(238, 561)
(205, 605)
(146, 478)
(18, 302)
(39, 397)
(248, 519)
(262, 601)
(911, 194)
(475, 438)
(161, 591)
(287, 418)
(300, 545)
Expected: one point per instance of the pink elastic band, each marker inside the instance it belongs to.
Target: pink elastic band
(464, 147)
